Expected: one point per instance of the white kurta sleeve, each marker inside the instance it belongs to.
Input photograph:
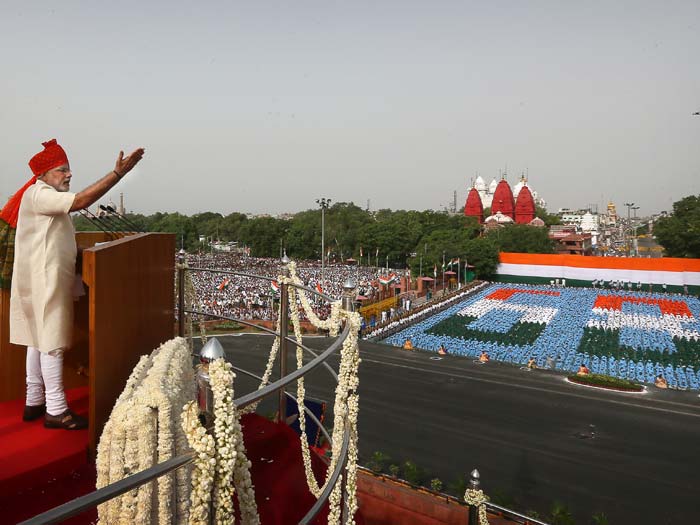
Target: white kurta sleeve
(48, 201)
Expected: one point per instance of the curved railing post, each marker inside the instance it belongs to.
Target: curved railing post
(349, 295)
(205, 396)
(181, 293)
(284, 330)
(474, 484)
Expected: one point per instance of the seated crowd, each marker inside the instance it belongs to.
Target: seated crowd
(250, 298)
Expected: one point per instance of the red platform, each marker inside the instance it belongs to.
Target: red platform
(42, 468)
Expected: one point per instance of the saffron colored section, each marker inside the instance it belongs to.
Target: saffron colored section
(666, 270)
(504, 294)
(667, 306)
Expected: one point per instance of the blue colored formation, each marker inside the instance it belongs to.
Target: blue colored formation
(567, 326)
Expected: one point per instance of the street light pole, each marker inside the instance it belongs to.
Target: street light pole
(443, 272)
(634, 221)
(629, 206)
(324, 204)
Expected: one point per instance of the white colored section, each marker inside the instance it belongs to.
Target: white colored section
(533, 314)
(615, 319)
(606, 274)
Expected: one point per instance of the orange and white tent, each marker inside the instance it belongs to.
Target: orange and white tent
(665, 270)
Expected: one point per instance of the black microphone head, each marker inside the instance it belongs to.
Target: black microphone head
(111, 208)
(102, 207)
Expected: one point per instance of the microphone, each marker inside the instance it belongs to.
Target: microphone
(133, 227)
(111, 224)
(97, 223)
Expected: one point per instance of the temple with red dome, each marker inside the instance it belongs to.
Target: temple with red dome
(517, 205)
(524, 207)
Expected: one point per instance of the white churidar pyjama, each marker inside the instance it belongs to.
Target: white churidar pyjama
(45, 380)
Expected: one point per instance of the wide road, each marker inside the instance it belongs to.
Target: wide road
(534, 437)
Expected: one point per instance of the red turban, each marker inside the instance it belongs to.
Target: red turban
(52, 157)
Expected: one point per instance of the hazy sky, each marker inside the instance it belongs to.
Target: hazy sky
(266, 106)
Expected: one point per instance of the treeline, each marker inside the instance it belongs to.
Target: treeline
(679, 233)
(400, 238)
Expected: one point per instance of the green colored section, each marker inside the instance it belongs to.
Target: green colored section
(7, 253)
(456, 326)
(596, 341)
(606, 382)
(504, 278)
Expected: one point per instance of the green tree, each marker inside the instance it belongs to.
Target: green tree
(81, 224)
(482, 253)
(230, 226)
(549, 219)
(679, 233)
(303, 239)
(521, 238)
(179, 224)
(263, 235)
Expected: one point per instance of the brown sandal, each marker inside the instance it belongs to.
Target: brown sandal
(67, 421)
(32, 412)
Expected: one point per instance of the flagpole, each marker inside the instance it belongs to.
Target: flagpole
(443, 273)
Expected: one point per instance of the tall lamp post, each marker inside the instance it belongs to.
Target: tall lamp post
(634, 224)
(629, 207)
(324, 204)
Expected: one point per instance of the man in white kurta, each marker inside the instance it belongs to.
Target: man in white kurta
(41, 301)
(41, 306)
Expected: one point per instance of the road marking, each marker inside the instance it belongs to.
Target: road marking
(534, 388)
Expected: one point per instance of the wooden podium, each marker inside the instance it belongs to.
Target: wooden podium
(128, 311)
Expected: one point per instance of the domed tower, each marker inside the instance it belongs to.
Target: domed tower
(473, 206)
(519, 186)
(524, 206)
(503, 200)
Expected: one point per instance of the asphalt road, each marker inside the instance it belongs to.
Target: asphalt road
(535, 438)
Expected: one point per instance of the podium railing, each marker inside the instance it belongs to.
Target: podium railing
(88, 501)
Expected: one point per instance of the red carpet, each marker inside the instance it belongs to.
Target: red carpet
(41, 468)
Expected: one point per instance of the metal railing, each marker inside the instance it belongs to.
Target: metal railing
(88, 501)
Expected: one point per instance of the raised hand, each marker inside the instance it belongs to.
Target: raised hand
(125, 164)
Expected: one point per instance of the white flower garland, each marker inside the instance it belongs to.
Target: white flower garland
(221, 468)
(346, 407)
(204, 465)
(268, 368)
(477, 498)
(141, 432)
(233, 467)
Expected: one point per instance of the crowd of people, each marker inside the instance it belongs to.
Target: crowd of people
(249, 298)
(405, 318)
